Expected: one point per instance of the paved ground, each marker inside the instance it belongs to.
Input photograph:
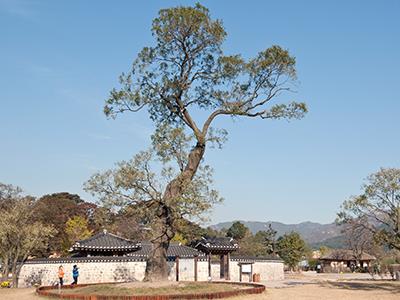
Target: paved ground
(306, 286)
(312, 286)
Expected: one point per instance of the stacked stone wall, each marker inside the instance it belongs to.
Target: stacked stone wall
(89, 272)
(120, 270)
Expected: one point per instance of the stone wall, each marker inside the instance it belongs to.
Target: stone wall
(119, 269)
(89, 272)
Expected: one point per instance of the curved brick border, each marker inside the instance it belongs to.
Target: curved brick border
(50, 291)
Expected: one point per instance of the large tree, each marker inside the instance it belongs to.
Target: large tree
(377, 208)
(55, 210)
(186, 73)
(291, 248)
(20, 234)
(238, 231)
(358, 239)
(268, 239)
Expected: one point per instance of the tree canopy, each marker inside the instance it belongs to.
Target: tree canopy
(55, 210)
(291, 248)
(377, 209)
(238, 231)
(184, 72)
(20, 234)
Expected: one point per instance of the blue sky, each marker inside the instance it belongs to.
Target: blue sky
(59, 59)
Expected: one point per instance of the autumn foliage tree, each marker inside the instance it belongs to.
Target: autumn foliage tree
(55, 210)
(77, 229)
(20, 234)
(183, 73)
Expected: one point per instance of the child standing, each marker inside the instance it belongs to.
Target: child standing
(75, 274)
(61, 275)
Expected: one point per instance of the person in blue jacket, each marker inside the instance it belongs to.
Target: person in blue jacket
(75, 274)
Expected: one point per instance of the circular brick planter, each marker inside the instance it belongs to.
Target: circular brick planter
(51, 291)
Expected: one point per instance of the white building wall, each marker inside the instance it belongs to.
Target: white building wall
(269, 270)
(215, 271)
(202, 270)
(186, 269)
(234, 270)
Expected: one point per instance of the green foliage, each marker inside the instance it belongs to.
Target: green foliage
(134, 184)
(187, 68)
(377, 208)
(238, 231)
(77, 229)
(268, 239)
(312, 263)
(291, 248)
(262, 244)
(20, 234)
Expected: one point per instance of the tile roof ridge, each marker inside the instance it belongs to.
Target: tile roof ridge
(120, 237)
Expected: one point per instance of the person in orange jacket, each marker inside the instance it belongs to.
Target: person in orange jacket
(61, 275)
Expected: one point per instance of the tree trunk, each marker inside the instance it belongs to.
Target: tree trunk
(157, 266)
(14, 271)
(5, 268)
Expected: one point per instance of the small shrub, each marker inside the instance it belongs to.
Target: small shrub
(5, 284)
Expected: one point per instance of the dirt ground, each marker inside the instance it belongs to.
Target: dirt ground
(294, 287)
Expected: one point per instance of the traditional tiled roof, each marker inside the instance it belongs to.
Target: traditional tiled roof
(247, 259)
(106, 241)
(345, 255)
(84, 259)
(174, 250)
(216, 244)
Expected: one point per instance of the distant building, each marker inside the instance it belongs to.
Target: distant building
(345, 261)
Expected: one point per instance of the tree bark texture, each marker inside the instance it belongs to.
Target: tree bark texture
(157, 266)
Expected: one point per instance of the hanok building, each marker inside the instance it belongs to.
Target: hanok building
(221, 246)
(342, 260)
(104, 244)
(106, 257)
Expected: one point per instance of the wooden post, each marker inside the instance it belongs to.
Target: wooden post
(177, 268)
(240, 273)
(227, 272)
(209, 266)
(222, 266)
(195, 268)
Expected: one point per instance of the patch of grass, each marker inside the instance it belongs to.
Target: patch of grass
(186, 288)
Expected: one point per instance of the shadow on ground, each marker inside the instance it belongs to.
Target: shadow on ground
(388, 286)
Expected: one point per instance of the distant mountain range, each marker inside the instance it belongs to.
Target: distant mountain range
(315, 234)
